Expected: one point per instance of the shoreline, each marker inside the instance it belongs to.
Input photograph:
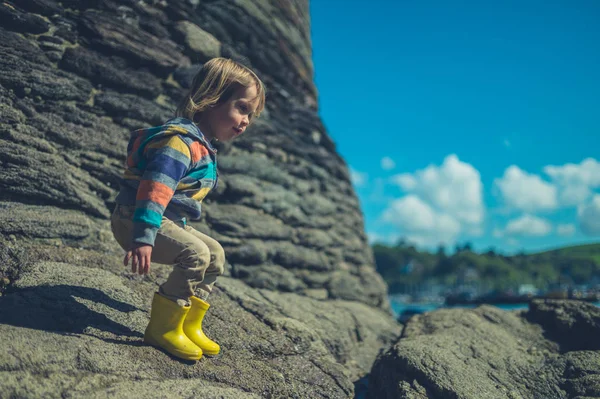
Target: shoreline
(404, 310)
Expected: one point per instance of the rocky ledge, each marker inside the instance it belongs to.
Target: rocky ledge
(74, 330)
(550, 351)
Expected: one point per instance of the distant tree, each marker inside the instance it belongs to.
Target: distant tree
(386, 260)
(468, 247)
(457, 248)
(441, 251)
(401, 243)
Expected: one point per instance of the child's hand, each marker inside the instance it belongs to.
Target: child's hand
(140, 258)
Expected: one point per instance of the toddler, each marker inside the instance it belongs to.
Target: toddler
(169, 170)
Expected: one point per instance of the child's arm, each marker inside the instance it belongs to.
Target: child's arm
(167, 162)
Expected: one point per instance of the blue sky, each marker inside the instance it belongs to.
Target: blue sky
(466, 120)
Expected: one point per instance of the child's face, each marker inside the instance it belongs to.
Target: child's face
(228, 120)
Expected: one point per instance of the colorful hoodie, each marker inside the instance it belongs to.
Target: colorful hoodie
(170, 169)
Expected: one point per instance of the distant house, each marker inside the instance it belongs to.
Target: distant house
(467, 275)
(527, 290)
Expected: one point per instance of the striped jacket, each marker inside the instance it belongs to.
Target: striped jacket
(170, 169)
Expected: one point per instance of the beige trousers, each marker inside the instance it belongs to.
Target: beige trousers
(197, 259)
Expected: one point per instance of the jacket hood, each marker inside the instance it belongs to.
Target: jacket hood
(191, 129)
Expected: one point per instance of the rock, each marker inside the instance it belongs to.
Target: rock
(268, 276)
(258, 167)
(19, 21)
(159, 54)
(574, 325)
(65, 28)
(185, 75)
(581, 377)
(254, 252)
(343, 285)
(487, 352)
(317, 293)
(314, 238)
(239, 221)
(26, 70)
(47, 8)
(110, 72)
(304, 312)
(45, 179)
(129, 106)
(295, 256)
(42, 221)
(88, 327)
(200, 44)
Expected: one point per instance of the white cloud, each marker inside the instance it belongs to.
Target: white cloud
(388, 239)
(587, 172)
(357, 178)
(387, 163)
(565, 230)
(454, 188)
(573, 194)
(528, 225)
(441, 202)
(506, 143)
(588, 216)
(498, 233)
(575, 181)
(405, 180)
(526, 192)
(420, 222)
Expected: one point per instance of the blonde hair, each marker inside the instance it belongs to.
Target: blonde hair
(215, 83)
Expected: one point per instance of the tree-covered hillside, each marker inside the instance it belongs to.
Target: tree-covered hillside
(402, 265)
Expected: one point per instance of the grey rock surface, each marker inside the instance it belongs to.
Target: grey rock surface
(199, 43)
(301, 311)
(491, 353)
(75, 330)
(77, 77)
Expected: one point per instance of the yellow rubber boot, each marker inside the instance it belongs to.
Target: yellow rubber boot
(165, 329)
(192, 327)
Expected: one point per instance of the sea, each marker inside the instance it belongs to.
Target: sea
(398, 307)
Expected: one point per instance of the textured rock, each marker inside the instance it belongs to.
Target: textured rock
(108, 32)
(70, 96)
(302, 312)
(43, 221)
(110, 72)
(491, 353)
(73, 331)
(200, 44)
(573, 325)
(20, 21)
